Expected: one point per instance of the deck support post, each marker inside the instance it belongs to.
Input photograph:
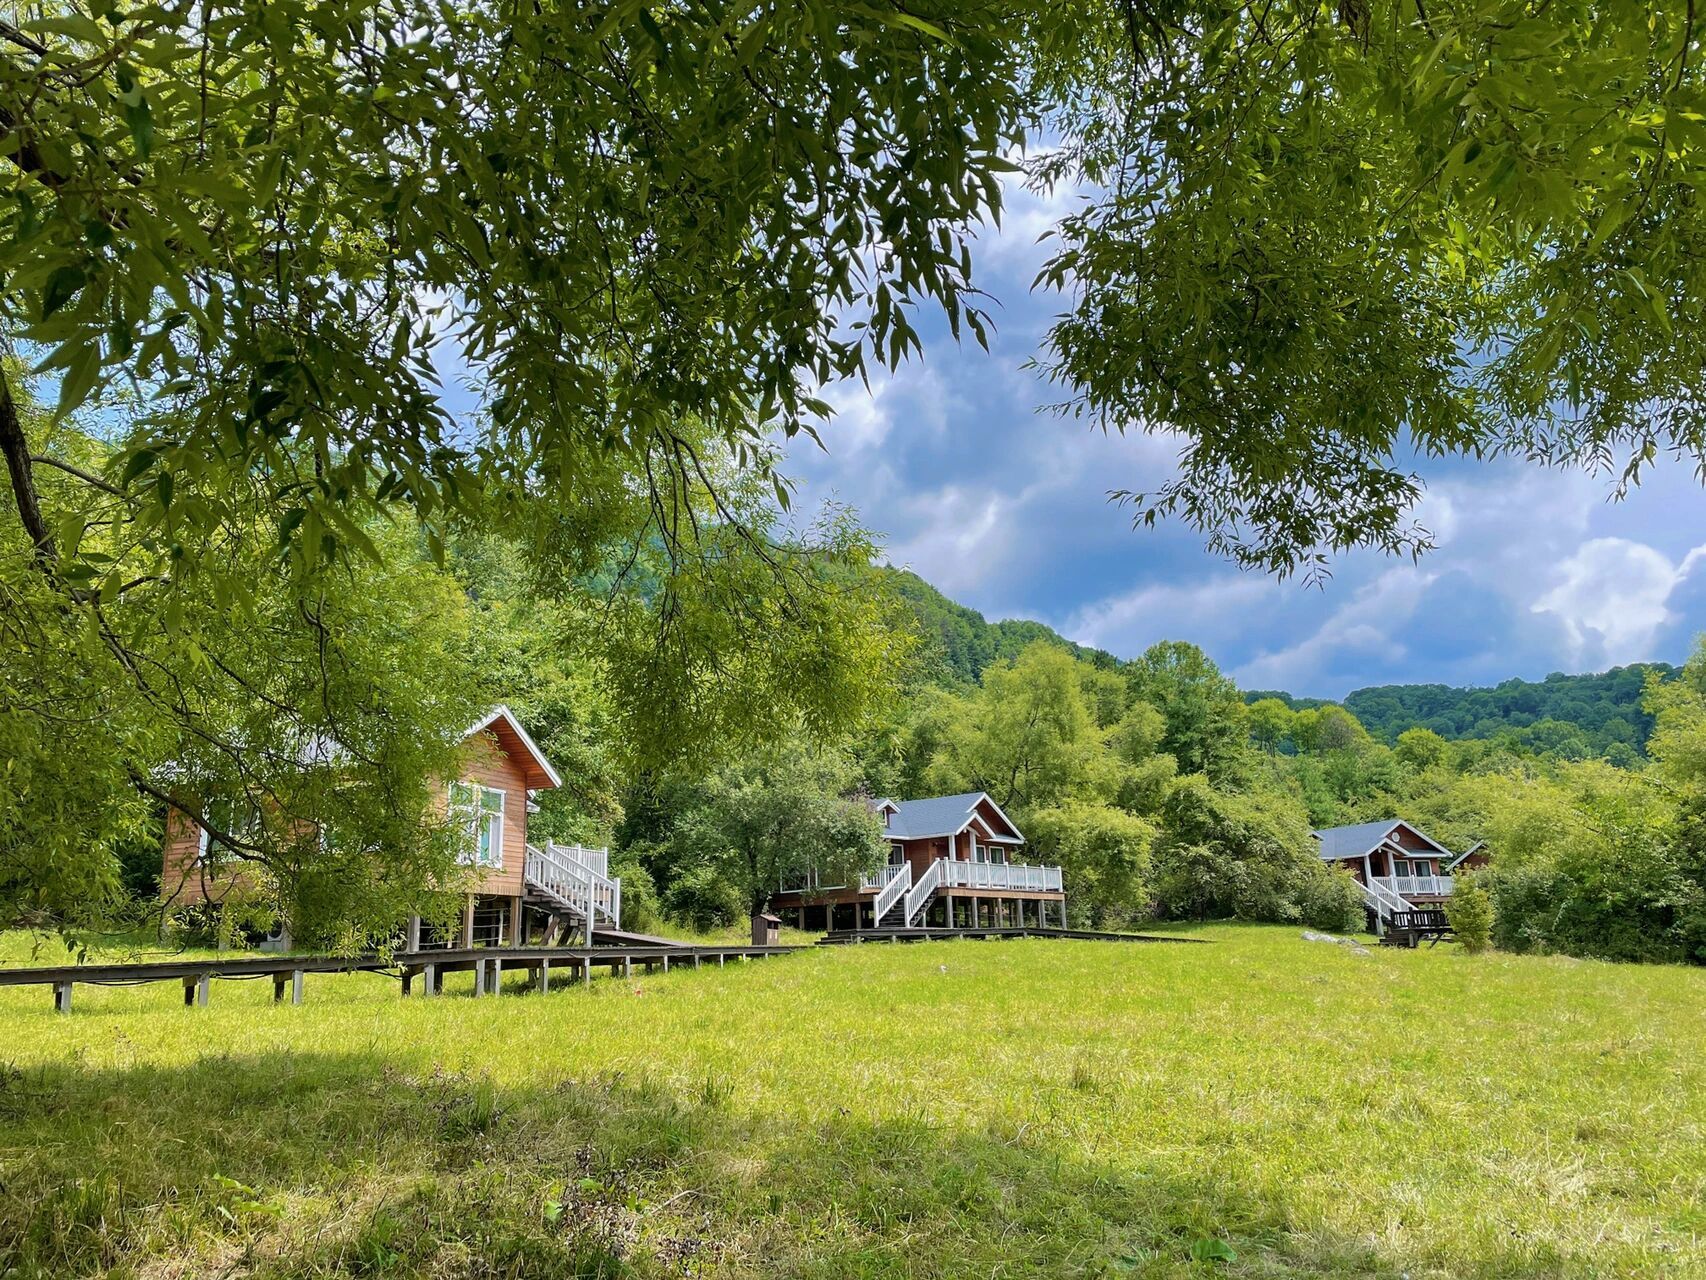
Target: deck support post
(666, 964)
(196, 991)
(495, 973)
(296, 986)
(279, 979)
(479, 978)
(62, 997)
(544, 977)
(468, 923)
(627, 966)
(586, 968)
(429, 984)
(515, 921)
(720, 958)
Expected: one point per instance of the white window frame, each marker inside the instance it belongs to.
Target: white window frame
(474, 808)
(242, 825)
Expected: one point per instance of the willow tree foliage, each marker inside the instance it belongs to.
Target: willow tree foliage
(1321, 234)
(236, 234)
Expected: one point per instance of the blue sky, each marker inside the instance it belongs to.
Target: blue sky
(1003, 508)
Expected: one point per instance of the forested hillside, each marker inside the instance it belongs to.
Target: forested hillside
(1588, 714)
(1583, 715)
(960, 642)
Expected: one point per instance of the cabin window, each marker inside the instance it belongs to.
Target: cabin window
(1400, 867)
(897, 855)
(997, 854)
(479, 811)
(235, 817)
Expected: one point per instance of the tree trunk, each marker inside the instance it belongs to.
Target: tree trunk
(17, 451)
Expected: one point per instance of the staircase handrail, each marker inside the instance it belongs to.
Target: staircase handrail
(1383, 900)
(897, 884)
(922, 888)
(574, 883)
(601, 891)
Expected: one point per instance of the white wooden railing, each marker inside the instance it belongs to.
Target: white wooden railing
(1416, 884)
(592, 859)
(565, 873)
(899, 880)
(1381, 900)
(922, 888)
(1001, 875)
(885, 875)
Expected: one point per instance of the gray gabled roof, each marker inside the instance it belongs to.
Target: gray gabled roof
(1365, 837)
(937, 816)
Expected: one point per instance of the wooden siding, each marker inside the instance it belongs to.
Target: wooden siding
(485, 762)
(992, 819)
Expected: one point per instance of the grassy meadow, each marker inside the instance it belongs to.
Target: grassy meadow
(1257, 1107)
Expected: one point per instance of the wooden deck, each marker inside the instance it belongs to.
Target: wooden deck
(1410, 928)
(424, 970)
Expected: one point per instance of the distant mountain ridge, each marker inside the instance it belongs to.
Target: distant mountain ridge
(1605, 706)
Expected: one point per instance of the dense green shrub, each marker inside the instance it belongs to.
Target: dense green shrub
(704, 899)
(1329, 898)
(1470, 913)
(1224, 854)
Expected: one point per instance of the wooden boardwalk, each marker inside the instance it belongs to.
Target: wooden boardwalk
(846, 937)
(417, 971)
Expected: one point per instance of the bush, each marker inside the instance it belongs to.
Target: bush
(703, 900)
(1223, 854)
(641, 909)
(1330, 899)
(1470, 913)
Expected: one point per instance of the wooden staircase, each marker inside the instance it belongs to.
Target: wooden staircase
(569, 883)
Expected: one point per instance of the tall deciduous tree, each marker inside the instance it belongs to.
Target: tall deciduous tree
(1206, 717)
(1027, 736)
(778, 819)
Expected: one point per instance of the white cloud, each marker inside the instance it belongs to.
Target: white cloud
(1129, 622)
(1612, 596)
(1364, 631)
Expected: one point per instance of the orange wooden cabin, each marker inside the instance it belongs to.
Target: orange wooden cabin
(953, 863)
(519, 885)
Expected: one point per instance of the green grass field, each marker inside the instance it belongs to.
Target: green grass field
(1028, 1108)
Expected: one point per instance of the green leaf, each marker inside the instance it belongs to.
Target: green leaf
(917, 24)
(80, 375)
(62, 286)
(139, 462)
(1211, 1249)
(141, 121)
